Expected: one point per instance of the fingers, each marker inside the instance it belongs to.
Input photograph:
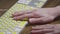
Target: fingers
(41, 20)
(35, 20)
(37, 28)
(49, 33)
(47, 26)
(24, 16)
(42, 31)
(36, 32)
(21, 13)
(46, 29)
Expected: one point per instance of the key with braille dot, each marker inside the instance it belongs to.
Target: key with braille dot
(10, 26)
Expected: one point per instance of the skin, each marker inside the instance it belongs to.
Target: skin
(46, 29)
(40, 16)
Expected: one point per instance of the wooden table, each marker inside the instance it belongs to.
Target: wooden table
(6, 4)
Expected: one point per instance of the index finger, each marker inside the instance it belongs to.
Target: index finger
(21, 13)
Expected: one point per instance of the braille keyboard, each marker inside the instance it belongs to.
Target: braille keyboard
(10, 26)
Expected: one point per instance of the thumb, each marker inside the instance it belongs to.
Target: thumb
(41, 20)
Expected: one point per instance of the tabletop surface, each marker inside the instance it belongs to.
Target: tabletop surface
(6, 4)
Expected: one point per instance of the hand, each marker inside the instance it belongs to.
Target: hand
(46, 29)
(37, 16)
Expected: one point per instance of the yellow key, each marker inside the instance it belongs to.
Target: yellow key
(2, 33)
(14, 32)
(23, 24)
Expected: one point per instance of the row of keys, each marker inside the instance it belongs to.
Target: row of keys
(33, 3)
(9, 33)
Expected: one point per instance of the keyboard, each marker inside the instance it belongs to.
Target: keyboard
(10, 26)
